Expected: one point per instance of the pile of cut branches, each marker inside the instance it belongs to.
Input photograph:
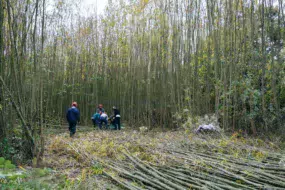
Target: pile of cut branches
(173, 161)
(196, 170)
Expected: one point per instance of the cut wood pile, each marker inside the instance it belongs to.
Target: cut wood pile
(191, 163)
(196, 170)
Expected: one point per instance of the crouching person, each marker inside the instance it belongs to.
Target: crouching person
(73, 116)
(116, 118)
(103, 120)
(96, 119)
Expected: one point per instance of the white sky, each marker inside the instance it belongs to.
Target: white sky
(90, 4)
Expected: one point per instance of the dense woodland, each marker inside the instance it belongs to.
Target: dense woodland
(150, 58)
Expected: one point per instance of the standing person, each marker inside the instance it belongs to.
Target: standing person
(103, 119)
(96, 119)
(73, 117)
(100, 108)
(117, 118)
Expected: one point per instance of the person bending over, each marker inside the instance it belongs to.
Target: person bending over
(96, 119)
(103, 119)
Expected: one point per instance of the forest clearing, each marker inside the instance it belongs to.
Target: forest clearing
(130, 159)
(170, 160)
(142, 94)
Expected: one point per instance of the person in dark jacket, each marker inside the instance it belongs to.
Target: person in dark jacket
(73, 117)
(116, 118)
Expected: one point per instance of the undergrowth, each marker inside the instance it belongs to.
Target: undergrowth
(79, 163)
(69, 155)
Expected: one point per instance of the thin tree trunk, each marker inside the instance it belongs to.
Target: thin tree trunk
(2, 118)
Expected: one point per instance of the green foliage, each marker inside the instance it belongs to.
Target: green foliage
(2, 160)
(38, 172)
(7, 162)
(97, 169)
(5, 148)
(9, 166)
(30, 185)
(6, 165)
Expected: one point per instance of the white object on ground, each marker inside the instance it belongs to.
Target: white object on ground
(143, 129)
(209, 127)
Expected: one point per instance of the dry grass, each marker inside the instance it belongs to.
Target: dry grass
(72, 156)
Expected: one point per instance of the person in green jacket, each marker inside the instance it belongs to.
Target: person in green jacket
(96, 119)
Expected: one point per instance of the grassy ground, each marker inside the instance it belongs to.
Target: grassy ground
(93, 158)
(129, 159)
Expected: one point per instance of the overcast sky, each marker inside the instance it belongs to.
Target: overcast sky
(101, 4)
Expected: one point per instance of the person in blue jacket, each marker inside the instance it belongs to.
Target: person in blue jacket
(73, 117)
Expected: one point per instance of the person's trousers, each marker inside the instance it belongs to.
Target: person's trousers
(117, 123)
(96, 123)
(105, 122)
(72, 128)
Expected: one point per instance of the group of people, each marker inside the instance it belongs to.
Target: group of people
(99, 118)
